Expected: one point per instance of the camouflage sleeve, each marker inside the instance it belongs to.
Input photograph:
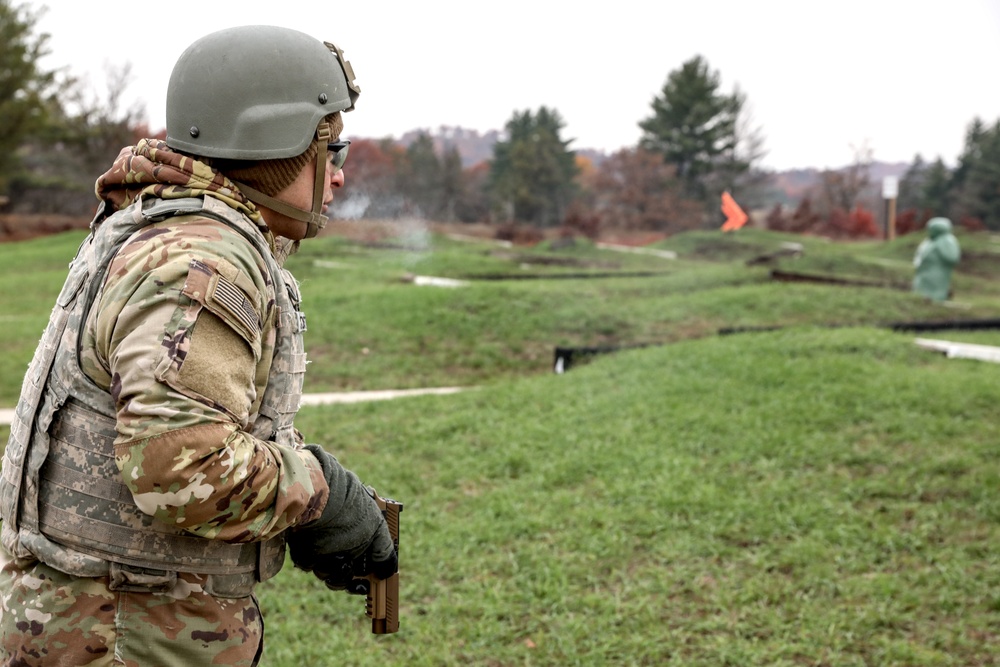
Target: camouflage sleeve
(180, 338)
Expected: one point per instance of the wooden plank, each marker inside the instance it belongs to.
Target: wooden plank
(955, 350)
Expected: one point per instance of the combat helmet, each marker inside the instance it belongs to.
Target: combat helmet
(259, 92)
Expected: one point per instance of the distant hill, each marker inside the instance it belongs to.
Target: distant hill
(788, 186)
(472, 146)
(476, 147)
(880, 170)
(791, 185)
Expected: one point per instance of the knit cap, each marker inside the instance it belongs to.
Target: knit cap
(273, 176)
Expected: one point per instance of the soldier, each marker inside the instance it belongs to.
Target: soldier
(154, 473)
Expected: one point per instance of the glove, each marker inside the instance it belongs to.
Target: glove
(350, 540)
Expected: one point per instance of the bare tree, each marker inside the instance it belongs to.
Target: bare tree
(844, 188)
(85, 133)
(636, 190)
(100, 124)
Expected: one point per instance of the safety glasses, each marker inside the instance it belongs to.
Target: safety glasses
(336, 154)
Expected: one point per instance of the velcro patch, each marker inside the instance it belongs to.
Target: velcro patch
(228, 293)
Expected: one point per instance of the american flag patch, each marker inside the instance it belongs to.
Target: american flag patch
(233, 301)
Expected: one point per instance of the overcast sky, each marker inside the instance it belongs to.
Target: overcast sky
(821, 79)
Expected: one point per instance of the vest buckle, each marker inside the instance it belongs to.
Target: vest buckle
(140, 579)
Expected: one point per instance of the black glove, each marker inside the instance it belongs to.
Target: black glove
(350, 540)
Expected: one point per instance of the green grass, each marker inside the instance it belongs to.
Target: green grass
(375, 331)
(812, 495)
(368, 329)
(31, 275)
(809, 496)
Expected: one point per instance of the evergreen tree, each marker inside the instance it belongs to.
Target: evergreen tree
(420, 180)
(24, 86)
(531, 177)
(970, 153)
(977, 186)
(452, 185)
(473, 204)
(969, 192)
(926, 189)
(912, 212)
(697, 129)
(936, 195)
(911, 185)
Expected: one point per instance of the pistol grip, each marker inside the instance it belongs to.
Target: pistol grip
(382, 602)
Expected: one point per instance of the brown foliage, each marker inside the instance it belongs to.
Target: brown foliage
(909, 221)
(635, 189)
(586, 171)
(372, 163)
(519, 234)
(803, 219)
(15, 227)
(579, 222)
(858, 223)
(972, 224)
(842, 188)
(838, 223)
(775, 218)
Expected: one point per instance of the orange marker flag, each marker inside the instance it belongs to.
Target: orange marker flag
(735, 217)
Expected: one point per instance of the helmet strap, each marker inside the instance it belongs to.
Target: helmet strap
(314, 219)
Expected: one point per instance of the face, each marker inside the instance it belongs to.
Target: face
(299, 193)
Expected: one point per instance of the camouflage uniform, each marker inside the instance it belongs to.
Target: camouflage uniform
(188, 373)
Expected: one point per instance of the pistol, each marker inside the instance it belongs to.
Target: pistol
(382, 602)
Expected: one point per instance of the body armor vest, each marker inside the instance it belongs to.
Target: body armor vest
(62, 500)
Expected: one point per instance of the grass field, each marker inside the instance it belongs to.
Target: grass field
(823, 493)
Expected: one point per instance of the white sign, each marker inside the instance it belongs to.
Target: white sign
(890, 187)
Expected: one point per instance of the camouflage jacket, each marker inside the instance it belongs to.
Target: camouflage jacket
(161, 397)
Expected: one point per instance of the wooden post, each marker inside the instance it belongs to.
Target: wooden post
(892, 218)
(885, 221)
(890, 190)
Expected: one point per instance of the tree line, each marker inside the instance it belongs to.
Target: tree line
(968, 194)
(56, 133)
(698, 141)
